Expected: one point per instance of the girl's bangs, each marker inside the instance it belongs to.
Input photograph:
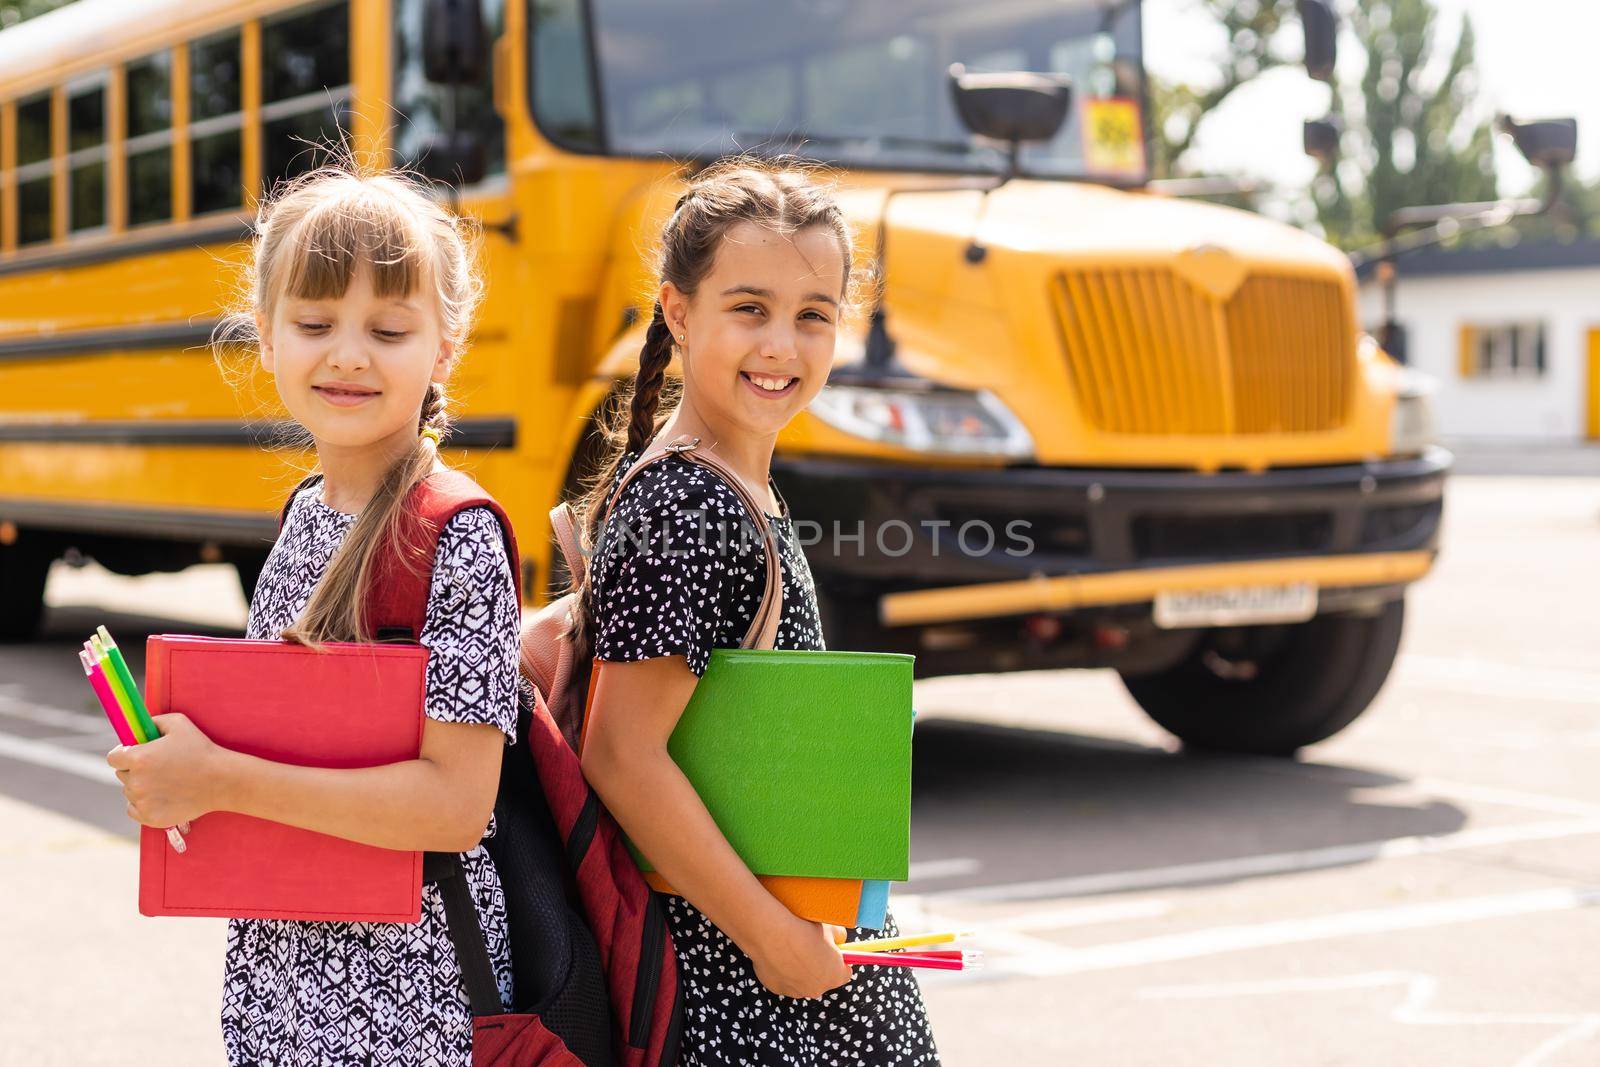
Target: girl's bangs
(337, 237)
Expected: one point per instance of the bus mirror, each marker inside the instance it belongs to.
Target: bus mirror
(1321, 28)
(1321, 138)
(454, 42)
(1546, 143)
(1013, 106)
(457, 159)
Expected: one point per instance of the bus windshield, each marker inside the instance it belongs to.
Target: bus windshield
(852, 82)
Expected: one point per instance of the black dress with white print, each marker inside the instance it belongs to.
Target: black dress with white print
(335, 993)
(677, 571)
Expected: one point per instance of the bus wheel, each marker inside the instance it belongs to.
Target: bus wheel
(24, 566)
(1271, 690)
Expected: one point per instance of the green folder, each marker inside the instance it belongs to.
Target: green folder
(804, 759)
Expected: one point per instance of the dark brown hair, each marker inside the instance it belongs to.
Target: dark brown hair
(783, 197)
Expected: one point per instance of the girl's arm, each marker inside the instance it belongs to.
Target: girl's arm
(636, 707)
(440, 801)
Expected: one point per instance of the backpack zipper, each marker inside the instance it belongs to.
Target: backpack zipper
(649, 973)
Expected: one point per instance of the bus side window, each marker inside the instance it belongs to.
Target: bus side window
(421, 108)
(33, 169)
(86, 158)
(216, 169)
(305, 91)
(148, 92)
(562, 75)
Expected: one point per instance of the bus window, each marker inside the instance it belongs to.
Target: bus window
(562, 75)
(305, 92)
(216, 172)
(33, 170)
(86, 159)
(148, 91)
(421, 107)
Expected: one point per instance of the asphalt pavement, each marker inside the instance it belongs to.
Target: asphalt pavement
(1421, 889)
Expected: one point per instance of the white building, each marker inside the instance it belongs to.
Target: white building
(1511, 334)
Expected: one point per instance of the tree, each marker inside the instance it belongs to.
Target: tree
(14, 11)
(1251, 29)
(1414, 137)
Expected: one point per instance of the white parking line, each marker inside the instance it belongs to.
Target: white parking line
(1222, 939)
(1412, 1010)
(1486, 678)
(14, 705)
(1270, 863)
(57, 758)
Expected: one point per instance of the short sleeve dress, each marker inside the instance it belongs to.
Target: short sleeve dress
(677, 571)
(336, 993)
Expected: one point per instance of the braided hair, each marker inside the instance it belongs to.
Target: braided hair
(782, 197)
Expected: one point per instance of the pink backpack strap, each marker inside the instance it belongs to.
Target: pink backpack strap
(763, 631)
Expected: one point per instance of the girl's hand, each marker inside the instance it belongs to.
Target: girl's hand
(172, 779)
(801, 959)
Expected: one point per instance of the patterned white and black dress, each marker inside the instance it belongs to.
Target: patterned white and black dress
(677, 571)
(336, 993)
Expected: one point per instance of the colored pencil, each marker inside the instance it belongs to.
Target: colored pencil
(886, 944)
(889, 959)
(108, 699)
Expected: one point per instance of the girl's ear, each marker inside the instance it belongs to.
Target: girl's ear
(444, 363)
(674, 308)
(268, 356)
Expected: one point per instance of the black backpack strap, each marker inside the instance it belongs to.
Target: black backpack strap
(461, 921)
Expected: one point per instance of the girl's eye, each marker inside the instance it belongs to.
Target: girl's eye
(750, 307)
(312, 327)
(817, 316)
(391, 335)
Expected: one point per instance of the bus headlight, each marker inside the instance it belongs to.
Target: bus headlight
(953, 421)
(1411, 426)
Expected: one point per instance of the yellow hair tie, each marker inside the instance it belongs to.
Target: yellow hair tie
(432, 434)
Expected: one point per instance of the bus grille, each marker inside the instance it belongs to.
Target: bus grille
(1149, 353)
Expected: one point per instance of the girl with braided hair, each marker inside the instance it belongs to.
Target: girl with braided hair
(754, 277)
(360, 298)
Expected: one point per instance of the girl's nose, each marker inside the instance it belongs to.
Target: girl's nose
(348, 358)
(778, 343)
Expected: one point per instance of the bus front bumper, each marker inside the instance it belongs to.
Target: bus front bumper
(933, 545)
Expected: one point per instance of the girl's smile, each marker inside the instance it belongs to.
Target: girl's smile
(769, 386)
(346, 394)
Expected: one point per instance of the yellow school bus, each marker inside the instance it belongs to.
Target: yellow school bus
(1093, 424)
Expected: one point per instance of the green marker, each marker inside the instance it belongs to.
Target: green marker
(119, 672)
(97, 653)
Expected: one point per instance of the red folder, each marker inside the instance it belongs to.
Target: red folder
(346, 705)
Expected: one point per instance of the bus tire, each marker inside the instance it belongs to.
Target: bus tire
(1271, 690)
(24, 566)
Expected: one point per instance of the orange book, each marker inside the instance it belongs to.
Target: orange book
(822, 900)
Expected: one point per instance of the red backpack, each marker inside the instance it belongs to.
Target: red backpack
(594, 973)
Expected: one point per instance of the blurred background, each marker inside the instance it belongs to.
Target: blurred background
(1221, 441)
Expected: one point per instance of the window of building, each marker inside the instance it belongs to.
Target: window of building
(34, 184)
(305, 91)
(147, 88)
(1503, 350)
(423, 109)
(86, 155)
(216, 166)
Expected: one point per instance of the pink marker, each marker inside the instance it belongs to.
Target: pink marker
(108, 700)
(119, 723)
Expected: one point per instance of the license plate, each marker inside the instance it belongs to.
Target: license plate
(1237, 606)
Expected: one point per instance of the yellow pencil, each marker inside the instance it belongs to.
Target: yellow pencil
(887, 944)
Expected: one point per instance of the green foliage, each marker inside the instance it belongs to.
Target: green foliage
(14, 11)
(1417, 140)
(1253, 46)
